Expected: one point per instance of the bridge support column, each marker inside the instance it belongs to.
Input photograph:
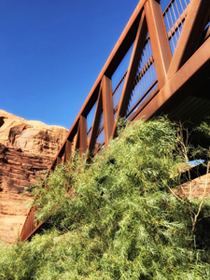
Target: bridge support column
(58, 160)
(67, 152)
(96, 122)
(82, 135)
(159, 40)
(107, 108)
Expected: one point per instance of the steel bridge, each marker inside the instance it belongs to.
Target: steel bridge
(168, 72)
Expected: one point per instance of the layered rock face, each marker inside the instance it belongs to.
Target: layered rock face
(27, 149)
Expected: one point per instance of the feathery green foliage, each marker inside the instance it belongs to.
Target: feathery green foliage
(118, 217)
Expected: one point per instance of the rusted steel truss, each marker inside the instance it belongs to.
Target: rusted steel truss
(170, 58)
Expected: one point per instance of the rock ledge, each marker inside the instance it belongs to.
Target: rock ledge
(27, 149)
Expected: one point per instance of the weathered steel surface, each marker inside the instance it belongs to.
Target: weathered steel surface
(96, 122)
(191, 34)
(170, 60)
(107, 108)
(30, 225)
(82, 135)
(159, 40)
(186, 80)
(67, 153)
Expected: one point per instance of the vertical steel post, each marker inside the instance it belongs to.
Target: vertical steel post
(83, 135)
(67, 152)
(107, 108)
(58, 161)
(159, 40)
(96, 122)
(33, 217)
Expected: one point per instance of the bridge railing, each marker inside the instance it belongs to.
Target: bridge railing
(152, 38)
(174, 17)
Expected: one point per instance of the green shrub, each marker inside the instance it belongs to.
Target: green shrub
(118, 217)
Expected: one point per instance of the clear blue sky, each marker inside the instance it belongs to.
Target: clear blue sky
(52, 51)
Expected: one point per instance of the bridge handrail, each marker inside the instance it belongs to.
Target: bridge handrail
(151, 62)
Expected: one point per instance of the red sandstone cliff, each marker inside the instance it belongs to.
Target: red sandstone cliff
(27, 148)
